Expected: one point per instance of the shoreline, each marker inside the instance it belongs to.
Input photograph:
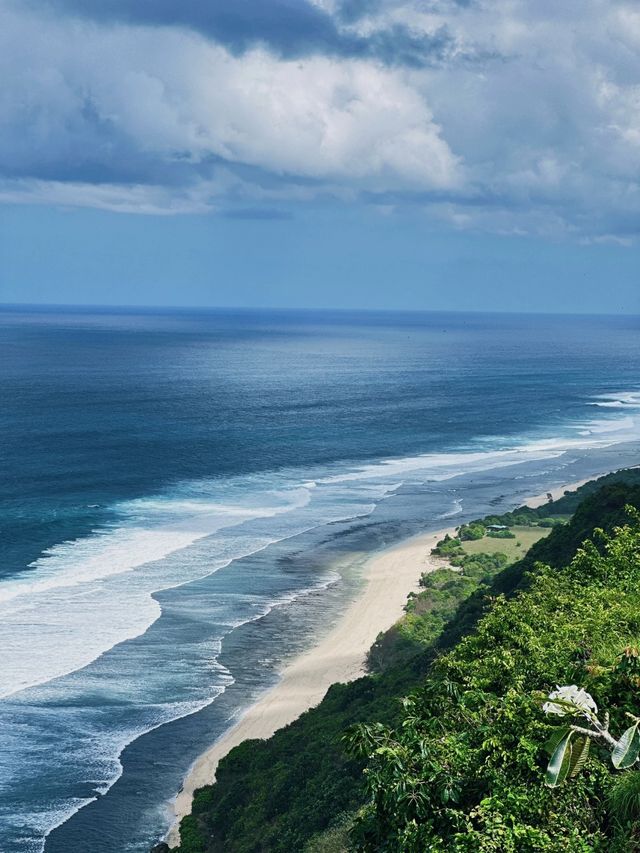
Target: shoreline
(388, 578)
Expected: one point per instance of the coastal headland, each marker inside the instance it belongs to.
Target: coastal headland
(389, 577)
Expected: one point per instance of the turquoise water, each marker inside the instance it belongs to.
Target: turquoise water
(183, 495)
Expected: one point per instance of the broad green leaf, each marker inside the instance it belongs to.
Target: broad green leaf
(555, 738)
(560, 762)
(579, 753)
(626, 751)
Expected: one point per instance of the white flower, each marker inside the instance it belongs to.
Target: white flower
(574, 696)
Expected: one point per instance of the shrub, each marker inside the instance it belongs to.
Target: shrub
(447, 547)
(501, 534)
(624, 797)
(475, 530)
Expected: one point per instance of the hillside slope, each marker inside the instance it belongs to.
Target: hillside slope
(279, 794)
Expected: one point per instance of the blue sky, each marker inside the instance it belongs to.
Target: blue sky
(321, 153)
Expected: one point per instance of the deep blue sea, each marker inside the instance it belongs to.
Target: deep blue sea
(188, 498)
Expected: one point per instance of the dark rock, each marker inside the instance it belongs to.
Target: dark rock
(161, 848)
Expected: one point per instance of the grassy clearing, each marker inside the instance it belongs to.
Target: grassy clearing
(515, 549)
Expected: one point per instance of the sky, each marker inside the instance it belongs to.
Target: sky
(428, 154)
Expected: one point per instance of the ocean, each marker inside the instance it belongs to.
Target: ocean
(188, 498)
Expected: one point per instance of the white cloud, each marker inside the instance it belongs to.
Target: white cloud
(316, 118)
(175, 98)
(530, 123)
(118, 198)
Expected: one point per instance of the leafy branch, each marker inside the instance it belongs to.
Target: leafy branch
(569, 745)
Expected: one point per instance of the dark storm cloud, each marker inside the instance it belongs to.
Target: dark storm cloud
(288, 28)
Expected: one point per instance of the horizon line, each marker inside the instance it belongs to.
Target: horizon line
(106, 307)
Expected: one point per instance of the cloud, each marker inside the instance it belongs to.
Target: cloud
(176, 110)
(511, 116)
(290, 29)
(351, 11)
(117, 198)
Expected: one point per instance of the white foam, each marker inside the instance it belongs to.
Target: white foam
(455, 510)
(620, 426)
(623, 400)
(432, 467)
(107, 754)
(157, 527)
(88, 595)
(444, 466)
(85, 596)
(76, 600)
(48, 821)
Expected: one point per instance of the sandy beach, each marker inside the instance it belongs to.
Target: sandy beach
(389, 576)
(558, 492)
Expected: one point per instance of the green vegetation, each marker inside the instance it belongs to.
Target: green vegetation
(472, 736)
(501, 534)
(428, 611)
(514, 547)
(336, 839)
(464, 768)
(448, 547)
(623, 800)
(569, 745)
(472, 531)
